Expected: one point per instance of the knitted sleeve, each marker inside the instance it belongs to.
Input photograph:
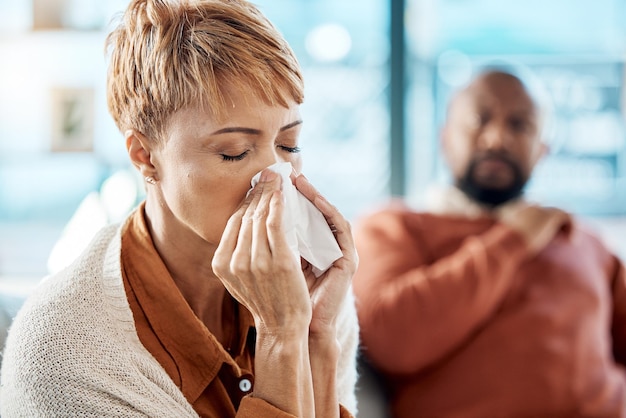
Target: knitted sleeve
(71, 351)
(348, 335)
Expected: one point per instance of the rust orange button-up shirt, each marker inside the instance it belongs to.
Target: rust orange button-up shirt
(213, 379)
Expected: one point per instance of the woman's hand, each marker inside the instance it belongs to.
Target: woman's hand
(329, 291)
(328, 296)
(254, 262)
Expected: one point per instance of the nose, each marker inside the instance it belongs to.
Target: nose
(269, 157)
(494, 136)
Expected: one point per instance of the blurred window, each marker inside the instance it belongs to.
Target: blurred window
(343, 49)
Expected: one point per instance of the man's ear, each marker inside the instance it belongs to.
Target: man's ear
(140, 152)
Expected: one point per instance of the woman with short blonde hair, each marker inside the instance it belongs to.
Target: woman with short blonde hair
(198, 304)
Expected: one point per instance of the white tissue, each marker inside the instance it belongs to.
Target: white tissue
(308, 233)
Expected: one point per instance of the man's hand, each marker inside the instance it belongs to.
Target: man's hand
(538, 225)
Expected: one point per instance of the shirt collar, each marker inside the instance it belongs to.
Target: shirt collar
(196, 352)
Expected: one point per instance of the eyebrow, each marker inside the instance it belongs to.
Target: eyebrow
(251, 131)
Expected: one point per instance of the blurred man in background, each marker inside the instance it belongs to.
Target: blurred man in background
(487, 305)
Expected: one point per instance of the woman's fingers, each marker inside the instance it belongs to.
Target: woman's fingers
(274, 224)
(260, 247)
(235, 244)
(230, 236)
(329, 211)
(241, 257)
(305, 187)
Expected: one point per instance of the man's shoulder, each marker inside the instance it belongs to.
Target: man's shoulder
(599, 234)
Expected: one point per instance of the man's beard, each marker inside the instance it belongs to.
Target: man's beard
(492, 196)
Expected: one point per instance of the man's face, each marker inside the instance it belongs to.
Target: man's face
(491, 139)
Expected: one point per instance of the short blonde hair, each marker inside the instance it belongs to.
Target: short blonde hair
(166, 55)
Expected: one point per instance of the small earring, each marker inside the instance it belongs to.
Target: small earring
(150, 180)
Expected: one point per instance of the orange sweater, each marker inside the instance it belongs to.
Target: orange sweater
(462, 323)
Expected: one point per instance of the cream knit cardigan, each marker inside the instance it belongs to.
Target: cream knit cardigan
(73, 349)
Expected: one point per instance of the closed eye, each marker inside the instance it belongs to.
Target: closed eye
(293, 150)
(239, 157)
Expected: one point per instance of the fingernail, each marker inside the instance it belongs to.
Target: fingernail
(267, 175)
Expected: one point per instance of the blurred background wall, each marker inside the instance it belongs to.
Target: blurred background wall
(378, 75)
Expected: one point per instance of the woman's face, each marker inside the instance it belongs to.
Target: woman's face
(204, 166)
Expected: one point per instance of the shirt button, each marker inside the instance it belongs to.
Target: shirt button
(245, 385)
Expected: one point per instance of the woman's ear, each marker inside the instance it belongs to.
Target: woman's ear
(140, 152)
